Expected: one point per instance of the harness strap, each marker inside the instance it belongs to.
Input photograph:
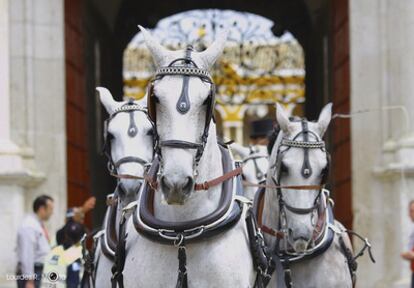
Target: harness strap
(257, 249)
(292, 187)
(287, 273)
(120, 254)
(129, 159)
(216, 181)
(88, 279)
(182, 281)
(205, 185)
(352, 264)
(180, 144)
(272, 232)
(306, 168)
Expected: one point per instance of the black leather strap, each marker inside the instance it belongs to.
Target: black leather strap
(130, 159)
(183, 103)
(306, 167)
(120, 256)
(180, 144)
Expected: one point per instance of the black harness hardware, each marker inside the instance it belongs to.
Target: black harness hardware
(120, 254)
(167, 232)
(88, 256)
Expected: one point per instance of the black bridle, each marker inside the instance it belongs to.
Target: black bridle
(188, 69)
(306, 166)
(130, 107)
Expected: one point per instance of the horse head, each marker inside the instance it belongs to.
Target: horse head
(299, 159)
(181, 101)
(128, 143)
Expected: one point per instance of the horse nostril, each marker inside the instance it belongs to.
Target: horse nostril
(188, 184)
(165, 183)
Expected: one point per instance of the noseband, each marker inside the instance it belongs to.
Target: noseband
(187, 69)
(132, 131)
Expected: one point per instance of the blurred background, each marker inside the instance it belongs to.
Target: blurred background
(301, 53)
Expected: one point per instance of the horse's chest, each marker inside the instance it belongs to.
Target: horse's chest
(222, 261)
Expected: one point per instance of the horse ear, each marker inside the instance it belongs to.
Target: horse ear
(242, 151)
(324, 118)
(143, 101)
(158, 52)
(212, 53)
(106, 99)
(282, 119)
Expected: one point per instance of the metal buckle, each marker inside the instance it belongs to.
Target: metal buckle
(110, 166)
(178, 240)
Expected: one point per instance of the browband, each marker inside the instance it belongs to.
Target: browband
(183, 70)
(127, 108)
(303, 144)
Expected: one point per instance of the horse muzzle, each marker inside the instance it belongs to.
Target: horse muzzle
(176, 189)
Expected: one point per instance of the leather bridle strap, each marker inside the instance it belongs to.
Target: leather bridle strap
(272, 232)
(287, 187)
(205, 185)
(127, 176)
(216, 181)
(129, 159)
(180, 144)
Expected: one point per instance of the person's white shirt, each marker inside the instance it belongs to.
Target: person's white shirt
(32, 244)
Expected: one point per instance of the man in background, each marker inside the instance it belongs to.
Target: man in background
(260, 131)
(33, 243)
(409, 254)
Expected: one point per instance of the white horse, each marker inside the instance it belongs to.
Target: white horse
(181, 101)
(255, 164)
(129, 146)
(298, 213)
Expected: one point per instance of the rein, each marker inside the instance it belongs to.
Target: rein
(287, 187)
(201, 186)
(218, 180)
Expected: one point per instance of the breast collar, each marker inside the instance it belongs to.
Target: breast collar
(109, 237)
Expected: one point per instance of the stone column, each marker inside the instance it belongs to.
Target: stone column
(382, 76)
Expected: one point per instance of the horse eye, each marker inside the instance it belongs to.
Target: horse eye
(110, 136)
(150, 132)
(284, 168)
(324, 170)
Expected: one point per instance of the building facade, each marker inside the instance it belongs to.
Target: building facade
(357, 55)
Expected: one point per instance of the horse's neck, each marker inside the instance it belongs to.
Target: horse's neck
(200, 203)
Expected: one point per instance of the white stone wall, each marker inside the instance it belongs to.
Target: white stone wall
(32, 116)
(382, 74)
